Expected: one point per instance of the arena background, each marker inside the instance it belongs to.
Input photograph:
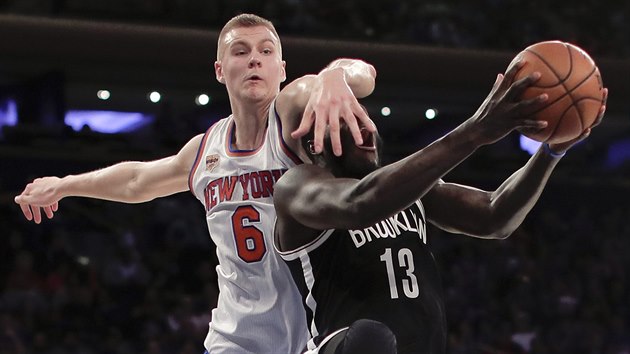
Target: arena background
(103, 277)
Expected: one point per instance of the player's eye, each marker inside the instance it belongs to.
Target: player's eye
(239, 51)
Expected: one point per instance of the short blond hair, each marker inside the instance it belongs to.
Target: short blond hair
(245, 20)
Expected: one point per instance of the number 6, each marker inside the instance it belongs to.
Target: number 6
(250, 241)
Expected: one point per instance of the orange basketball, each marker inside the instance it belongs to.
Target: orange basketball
(574, 85)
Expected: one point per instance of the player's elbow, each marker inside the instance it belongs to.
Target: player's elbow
(491, 233)
(498, 228)
(500, 234)
(136, 191)
(132, 194)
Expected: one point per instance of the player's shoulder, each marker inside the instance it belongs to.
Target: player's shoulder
(295, 179)
(302, 173)
(292, 98)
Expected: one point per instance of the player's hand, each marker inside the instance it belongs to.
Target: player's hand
(504, 111)
(39, 197)
(332, 100)
(561, 148)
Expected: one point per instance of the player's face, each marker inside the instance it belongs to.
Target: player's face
(251, 65)
(357, 160)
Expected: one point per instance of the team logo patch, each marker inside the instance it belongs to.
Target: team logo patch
(211, 162)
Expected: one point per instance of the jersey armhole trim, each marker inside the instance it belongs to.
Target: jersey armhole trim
(295, 254)
(283, 144)
(195, 165)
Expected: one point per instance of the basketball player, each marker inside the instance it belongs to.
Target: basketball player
(234, 167)
(354, 235)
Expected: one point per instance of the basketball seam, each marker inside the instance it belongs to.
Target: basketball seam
(567, 91)
(561, 80)
(576, 86)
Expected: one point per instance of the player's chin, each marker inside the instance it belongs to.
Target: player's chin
(256, 92)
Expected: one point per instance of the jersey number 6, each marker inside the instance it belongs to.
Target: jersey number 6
(250, 241)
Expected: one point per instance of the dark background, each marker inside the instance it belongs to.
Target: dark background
(103, 277)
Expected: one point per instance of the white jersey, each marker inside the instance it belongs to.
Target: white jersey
(259, 308)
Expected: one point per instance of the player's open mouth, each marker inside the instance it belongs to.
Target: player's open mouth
(369, 141)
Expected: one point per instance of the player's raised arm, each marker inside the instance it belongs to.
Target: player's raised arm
(319, 201)
(128, 182)
(496, 214)
(326, 99)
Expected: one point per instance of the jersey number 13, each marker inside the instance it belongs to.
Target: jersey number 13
(409, 280)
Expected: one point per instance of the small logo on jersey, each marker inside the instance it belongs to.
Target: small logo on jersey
(211, 162)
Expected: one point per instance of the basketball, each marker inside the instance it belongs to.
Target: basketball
(573, 83)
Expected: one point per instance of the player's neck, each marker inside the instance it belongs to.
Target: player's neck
(249, 127)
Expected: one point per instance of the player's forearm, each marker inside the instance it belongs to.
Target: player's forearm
(116, 183)
(397, 185)
(359, 75)
(515, 198)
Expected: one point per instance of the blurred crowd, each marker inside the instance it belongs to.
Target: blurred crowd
(601, 27)
(109, 278)
(559, 284)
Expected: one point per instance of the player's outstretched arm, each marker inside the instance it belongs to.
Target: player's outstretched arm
(490, 214)
(326, 98)
(128, 182)
(496, 214)
(313, 198)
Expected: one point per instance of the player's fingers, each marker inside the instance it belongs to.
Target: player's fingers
(585, 134)
(533, 126)
(55, 206)
(363, 116)
(513, 69)
(533, 104)
(26, 210)
(562, 147)
(321, 120)
(602, 109)
(333, 124)
(49, 212)
(351, 121)
(305, 124)
(37, 215)
(516, 66)
(600, 116)
(335, 139)
(495, 86)
(517, 88)
(511, 73)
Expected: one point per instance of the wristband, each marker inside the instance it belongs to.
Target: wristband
(551, 152)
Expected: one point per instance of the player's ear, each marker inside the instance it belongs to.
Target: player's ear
(218, 72)
(284, 71)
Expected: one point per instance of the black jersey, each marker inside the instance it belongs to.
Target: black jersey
(385, 272)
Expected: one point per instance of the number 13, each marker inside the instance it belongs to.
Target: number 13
(405, 260)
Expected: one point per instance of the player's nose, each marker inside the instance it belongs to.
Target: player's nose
(254, 61)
